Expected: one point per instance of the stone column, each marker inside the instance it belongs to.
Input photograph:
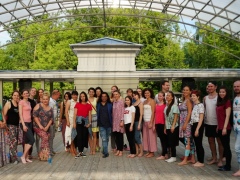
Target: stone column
(1, 93)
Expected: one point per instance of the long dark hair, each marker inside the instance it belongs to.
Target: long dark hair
(98, 88)
(91, 88)
(151, 92)
(222, 101)
(170, 105)
(86, 98)
(130, 98)
(100, 98)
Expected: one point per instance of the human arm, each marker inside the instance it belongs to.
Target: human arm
(20, 109)
(133, 117)
(74, 118)
(228, 112)
(67, 107)
(49, 123)
(36, 118)
(141, 115)
(174, 122)
(189, 109)
(89, 119)
(61, 113)
(199, 124)
(152, 121)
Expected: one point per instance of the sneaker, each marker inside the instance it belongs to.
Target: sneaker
(15, 162)
(59, 129)
(105, 155)
(172, 159)
(78, 155)
(224, 168)
(82, 155)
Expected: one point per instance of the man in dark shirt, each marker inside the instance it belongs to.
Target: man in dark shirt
(104, 118)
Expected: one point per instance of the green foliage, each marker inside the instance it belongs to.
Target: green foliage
(42, 43)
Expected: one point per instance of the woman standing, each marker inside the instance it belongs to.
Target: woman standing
(3, 129)
(10, 111)
(40, 95)
(62, 116)
(104, 108)
(118, 124)
(69, 114)
(129, 116)
(224, 128)
(82, 121)
(197, 127)
(171, 113)
(99, 91)
(92, 100)
(113, 138)
(138, 123)
(43, 115)
(26, 125)
(160, 124)
(185, 127)
(149, 133)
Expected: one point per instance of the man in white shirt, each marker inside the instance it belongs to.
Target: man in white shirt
(211, 123)
(236, 122)
(53, 103)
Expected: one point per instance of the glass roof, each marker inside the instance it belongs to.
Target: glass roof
(219, 14)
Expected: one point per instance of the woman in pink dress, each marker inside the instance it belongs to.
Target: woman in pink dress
(149, 133)
(118, 124)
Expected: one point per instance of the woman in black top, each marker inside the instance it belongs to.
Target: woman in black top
(138, 123)
(10, 111)
(62, 120)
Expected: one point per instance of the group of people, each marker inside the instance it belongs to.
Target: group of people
(24, 117)
(140, 115)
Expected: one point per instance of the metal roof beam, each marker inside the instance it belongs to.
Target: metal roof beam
(165, 7)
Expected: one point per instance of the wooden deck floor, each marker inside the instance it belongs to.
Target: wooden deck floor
(64, 166)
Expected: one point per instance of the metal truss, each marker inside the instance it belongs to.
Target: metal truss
(221, 15)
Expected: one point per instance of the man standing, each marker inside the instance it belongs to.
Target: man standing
(210, 102)
(165, 88)
(53, 103)
(236, 122)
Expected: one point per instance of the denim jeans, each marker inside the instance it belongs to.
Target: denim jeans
(105, 133)
(237, 146)
(137, 133)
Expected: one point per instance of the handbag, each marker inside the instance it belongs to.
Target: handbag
(44, 154)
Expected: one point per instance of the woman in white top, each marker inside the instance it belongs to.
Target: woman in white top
(69, 113)
(197, 127)
(129, 115)
(149, 133)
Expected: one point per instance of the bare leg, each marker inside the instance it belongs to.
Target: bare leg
(90, 141)
(187, 152)
(212, 144)
(25, 154)
(94, 143)
(140, 150)
(220, 151)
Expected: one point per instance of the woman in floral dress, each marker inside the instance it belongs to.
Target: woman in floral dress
(185, 126)
(43, 115)
(3, 128)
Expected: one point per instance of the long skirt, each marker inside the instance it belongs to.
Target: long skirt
(149, 138)
(3, 153)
